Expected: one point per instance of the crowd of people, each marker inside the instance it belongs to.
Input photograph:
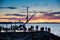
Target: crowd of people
(41, 29)
(22, 27)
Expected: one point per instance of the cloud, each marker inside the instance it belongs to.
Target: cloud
(52, 16)
(12, 7)
(43, 12)
(14, 18)
(46, 4)
(48, 16)
(15, 15)
(28, 11)
(8, 8)
(37, 4)
(55, 13)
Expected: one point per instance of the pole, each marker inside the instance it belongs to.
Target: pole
(27, 13)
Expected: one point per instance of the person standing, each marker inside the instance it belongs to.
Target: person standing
(0, 28)
(37, 28)
(45, 28)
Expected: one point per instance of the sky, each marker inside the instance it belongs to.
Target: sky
(15, 10)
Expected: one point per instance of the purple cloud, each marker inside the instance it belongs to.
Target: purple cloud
(55, 13)
(14, 18)
(43, 12)
(52, 16)
(15, 15)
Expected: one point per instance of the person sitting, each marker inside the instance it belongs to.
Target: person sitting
(24, 28)
(21, 28)
(49, 29)
(42, 28)
(31, 28)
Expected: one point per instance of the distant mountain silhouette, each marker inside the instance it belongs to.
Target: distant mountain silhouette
(46, 23)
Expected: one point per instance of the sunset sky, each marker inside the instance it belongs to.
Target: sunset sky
(15, 10)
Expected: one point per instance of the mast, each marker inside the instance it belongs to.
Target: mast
(27, 14)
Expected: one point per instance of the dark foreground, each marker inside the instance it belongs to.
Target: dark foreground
(40, 35)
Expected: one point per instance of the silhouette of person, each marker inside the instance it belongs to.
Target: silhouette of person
(21, 28)
(32, 28)
(29, 29)
(11, 27)
(24, 28)
(49, 29)
(37, 28)
(0, 28)
(6, 29)
(42, 29)
(45, 28)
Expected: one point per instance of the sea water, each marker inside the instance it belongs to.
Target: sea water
(55, 28)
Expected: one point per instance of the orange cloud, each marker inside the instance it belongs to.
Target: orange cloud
(35, 19)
